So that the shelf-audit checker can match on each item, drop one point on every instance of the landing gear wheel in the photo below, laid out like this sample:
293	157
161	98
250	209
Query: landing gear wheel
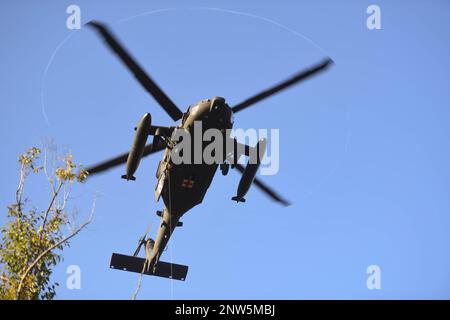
224	167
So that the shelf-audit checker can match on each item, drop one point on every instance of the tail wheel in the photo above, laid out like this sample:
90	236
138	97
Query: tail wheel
224	167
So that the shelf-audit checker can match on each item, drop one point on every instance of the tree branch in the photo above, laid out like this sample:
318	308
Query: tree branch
19	190
4	279
49	179
46	251
55	195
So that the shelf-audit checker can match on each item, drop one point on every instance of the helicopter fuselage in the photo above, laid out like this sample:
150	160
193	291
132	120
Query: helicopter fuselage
183	186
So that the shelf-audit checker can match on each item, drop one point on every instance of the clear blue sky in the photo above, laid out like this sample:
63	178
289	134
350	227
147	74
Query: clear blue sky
364	147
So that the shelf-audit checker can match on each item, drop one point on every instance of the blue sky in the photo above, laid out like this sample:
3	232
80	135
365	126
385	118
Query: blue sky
363	157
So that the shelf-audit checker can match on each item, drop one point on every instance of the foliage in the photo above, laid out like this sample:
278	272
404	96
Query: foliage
32	240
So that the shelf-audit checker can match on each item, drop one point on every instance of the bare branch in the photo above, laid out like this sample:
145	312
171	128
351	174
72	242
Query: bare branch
49	178
55	195
19	190
65	197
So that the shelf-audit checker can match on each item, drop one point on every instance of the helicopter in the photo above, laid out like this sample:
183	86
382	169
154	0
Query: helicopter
182	186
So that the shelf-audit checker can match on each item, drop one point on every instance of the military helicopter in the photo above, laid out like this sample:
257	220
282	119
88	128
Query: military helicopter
183	186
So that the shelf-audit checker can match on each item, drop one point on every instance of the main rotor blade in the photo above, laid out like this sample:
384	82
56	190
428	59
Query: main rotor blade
121	159
264	188
172	110
283	85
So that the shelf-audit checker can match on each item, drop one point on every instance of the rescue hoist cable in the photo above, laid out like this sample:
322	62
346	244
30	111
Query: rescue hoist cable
170	231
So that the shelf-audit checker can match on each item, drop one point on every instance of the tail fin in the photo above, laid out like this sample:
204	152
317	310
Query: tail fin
136	264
